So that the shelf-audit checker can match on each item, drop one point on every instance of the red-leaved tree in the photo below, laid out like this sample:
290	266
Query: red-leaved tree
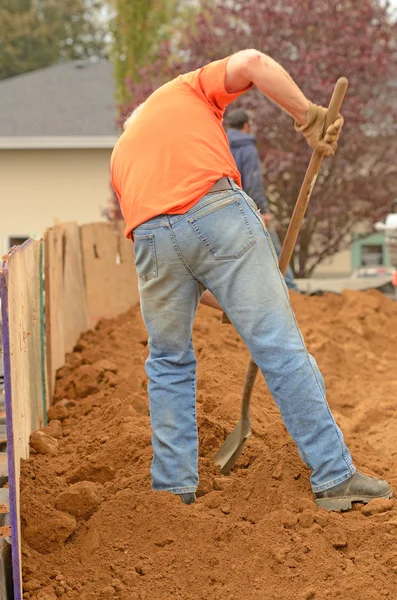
317	41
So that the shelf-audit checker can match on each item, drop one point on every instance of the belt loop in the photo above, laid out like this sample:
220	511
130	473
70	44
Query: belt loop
231	181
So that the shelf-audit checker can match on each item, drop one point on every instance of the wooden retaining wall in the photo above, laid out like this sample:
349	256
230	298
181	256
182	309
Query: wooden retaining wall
51	291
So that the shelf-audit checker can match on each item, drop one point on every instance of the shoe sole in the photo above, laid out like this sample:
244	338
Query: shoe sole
345	502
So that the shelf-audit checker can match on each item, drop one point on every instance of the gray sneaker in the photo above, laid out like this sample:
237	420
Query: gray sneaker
188	498
358	488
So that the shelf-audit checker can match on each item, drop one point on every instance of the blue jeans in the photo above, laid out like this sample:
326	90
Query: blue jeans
221	244
289	276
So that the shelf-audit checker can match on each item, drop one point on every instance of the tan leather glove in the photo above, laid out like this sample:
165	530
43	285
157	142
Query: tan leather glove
313	130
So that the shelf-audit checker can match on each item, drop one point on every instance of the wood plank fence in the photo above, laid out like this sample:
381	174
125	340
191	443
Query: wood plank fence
51	291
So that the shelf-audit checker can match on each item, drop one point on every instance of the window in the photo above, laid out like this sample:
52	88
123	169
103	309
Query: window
16	240
372	255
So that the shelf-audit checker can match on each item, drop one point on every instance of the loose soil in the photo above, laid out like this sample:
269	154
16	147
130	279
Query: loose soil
5	531
93	529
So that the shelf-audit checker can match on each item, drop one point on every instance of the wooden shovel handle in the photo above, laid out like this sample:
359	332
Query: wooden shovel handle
310	179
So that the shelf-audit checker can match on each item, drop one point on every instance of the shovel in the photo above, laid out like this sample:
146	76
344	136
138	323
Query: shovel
234	444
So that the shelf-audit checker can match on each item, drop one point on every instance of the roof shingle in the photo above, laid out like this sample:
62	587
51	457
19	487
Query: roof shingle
68	99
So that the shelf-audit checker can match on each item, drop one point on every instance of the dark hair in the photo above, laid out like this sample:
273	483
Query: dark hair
237	118
394	206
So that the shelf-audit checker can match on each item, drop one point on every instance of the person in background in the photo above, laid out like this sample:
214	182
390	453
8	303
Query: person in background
239	129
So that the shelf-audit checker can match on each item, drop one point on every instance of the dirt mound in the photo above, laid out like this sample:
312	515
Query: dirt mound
93	530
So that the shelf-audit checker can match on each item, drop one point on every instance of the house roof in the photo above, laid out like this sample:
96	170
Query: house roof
66	105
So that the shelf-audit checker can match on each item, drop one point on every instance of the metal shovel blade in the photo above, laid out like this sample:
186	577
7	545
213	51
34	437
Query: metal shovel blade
234	444
232	447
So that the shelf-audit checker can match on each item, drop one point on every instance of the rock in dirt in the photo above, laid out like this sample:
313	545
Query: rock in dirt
106	365
379	505
47	594
164	543
364	560
51	532
288	518
107	592
86	381
60	410
321	517
131	578
92	472
306	518
43	443
212	500
31	585
80	500
54	429
221	483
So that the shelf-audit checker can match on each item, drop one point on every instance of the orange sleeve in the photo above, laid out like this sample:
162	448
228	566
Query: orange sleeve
210	82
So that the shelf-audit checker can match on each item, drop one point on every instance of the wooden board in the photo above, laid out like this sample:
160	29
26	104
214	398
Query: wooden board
20	288
109	271
75	319
53	283
66	306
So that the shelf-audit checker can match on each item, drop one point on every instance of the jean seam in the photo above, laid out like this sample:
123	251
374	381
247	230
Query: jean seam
180	255
154	273
348	464
194	385
187	489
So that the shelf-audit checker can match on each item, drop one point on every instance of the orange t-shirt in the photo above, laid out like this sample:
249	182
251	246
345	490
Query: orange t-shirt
175	149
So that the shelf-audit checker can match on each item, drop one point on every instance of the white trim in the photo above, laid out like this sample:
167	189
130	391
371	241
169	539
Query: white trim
60	142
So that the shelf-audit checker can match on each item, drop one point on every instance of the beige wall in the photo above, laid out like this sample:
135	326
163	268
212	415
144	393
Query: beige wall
338	265
39	186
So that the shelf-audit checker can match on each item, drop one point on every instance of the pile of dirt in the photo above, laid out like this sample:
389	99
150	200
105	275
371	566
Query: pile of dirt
93	530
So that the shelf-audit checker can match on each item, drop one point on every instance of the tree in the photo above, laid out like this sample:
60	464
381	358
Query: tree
38	33
138	29
316	41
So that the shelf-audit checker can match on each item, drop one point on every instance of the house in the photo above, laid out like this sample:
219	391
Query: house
363	252
57	131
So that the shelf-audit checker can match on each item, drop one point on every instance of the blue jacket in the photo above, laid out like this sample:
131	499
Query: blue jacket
245	154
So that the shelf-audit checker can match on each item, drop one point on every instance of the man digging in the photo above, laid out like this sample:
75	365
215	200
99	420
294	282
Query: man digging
196	231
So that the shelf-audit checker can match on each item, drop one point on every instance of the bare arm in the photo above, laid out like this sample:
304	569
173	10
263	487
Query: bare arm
252	66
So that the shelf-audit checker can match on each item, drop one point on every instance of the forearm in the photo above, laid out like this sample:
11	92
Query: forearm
252	66
274	81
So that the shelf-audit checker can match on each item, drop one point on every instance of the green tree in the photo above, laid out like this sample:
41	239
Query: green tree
38	33
138	28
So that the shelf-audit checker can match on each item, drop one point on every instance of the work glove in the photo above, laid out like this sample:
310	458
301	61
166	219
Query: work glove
313	130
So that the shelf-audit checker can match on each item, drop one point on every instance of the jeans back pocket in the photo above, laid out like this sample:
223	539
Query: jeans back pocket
223	228
145	256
